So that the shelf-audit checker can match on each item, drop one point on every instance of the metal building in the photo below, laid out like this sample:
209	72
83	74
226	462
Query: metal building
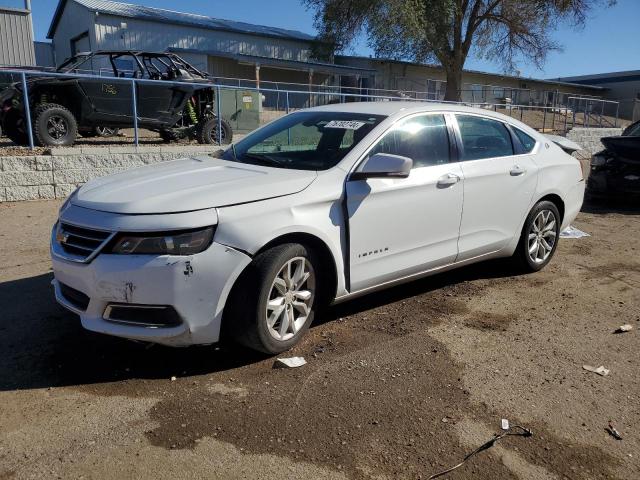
16	36
623	87
224	48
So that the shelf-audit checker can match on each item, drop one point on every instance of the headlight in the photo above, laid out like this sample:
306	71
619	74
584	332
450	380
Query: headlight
170	243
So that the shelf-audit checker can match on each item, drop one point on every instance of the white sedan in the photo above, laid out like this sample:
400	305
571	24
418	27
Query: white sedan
320	206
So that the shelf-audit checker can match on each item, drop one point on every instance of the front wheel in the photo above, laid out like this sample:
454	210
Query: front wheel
207	132
54	126
539	238
273	303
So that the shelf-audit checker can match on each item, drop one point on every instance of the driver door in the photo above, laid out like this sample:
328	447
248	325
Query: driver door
400	227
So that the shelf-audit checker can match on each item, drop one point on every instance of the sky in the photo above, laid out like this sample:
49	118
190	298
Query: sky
605	44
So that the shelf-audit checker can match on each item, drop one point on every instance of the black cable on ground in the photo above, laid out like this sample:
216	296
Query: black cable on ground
523	432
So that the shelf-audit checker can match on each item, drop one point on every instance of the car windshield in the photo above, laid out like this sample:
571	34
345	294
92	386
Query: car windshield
312	140
632	130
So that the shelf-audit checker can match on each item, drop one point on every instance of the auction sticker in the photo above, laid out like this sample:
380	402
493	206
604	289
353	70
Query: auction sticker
345	124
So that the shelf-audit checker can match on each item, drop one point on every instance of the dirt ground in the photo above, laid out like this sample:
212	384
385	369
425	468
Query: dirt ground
399	384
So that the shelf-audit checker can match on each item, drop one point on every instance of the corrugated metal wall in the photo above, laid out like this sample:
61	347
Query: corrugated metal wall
74	21
125	33
16	41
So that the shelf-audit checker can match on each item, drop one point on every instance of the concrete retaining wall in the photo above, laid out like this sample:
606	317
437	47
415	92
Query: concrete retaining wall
589	138
58	174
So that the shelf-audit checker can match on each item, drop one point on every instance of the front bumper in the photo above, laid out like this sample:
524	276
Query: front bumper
196	286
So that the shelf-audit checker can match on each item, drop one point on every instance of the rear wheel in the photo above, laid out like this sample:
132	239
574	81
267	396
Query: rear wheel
207	132
273	304
54	126
539	238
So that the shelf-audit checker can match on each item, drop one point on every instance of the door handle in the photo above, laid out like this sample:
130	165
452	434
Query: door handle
517	170
448	180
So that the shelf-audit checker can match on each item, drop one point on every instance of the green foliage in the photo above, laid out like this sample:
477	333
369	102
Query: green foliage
447	31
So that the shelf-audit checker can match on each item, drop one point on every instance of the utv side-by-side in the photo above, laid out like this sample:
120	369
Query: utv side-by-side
63	107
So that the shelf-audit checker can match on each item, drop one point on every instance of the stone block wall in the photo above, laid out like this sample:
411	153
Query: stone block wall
589	138
57	175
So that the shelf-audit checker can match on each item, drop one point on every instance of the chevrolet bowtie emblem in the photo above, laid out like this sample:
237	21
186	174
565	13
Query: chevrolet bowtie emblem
62	237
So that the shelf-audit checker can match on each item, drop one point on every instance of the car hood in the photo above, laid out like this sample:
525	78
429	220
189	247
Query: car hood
189	184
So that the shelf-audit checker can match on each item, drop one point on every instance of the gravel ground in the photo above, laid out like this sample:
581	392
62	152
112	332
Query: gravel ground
400	384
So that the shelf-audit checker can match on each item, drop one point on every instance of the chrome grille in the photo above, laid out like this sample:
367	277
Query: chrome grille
79	243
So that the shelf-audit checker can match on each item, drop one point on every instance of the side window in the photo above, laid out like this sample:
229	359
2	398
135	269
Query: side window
423	139
483	138
527	141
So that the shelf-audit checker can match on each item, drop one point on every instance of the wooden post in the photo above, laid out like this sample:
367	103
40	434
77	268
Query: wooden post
257	75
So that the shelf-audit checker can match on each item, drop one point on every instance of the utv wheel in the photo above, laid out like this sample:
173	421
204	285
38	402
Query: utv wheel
207	132
539	238
54	126
14	128
273	304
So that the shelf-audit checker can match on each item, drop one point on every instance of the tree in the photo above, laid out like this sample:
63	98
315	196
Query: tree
447	31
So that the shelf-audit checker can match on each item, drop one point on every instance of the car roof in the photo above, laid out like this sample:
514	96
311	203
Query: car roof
390	108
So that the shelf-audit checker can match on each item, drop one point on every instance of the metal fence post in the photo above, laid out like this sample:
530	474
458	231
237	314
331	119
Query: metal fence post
573	124
219	114
134	104
544	117
27	109
617	111
601	112
587	114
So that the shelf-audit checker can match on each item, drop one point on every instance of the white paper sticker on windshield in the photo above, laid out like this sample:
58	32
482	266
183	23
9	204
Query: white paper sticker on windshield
344	124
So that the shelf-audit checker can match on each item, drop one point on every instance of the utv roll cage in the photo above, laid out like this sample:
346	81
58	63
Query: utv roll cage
149	65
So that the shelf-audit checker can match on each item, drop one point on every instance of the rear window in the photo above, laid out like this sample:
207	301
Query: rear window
527	141
483	138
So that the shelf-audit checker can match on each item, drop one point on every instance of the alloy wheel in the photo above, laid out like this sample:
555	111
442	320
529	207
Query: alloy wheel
290	299
57	127
542	236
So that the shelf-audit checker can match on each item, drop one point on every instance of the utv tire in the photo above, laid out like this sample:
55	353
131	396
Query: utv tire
54	126
207	132
539	237
14	128
273	302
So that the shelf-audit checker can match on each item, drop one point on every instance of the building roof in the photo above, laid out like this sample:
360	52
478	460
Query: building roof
603	78
17	11
169	16
561	82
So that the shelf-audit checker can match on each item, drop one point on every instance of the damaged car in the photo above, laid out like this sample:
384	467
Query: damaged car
174	99
615	171
320	206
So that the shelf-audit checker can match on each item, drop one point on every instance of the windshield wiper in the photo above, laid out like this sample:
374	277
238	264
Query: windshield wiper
262	159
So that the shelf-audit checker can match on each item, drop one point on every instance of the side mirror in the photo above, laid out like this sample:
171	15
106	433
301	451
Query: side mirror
383	165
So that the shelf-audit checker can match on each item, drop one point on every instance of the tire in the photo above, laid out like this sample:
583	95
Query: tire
13	127
261	303
207	131
544	222
54	126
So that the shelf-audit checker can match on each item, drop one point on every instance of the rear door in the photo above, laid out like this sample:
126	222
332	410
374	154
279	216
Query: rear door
403	226
499	183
